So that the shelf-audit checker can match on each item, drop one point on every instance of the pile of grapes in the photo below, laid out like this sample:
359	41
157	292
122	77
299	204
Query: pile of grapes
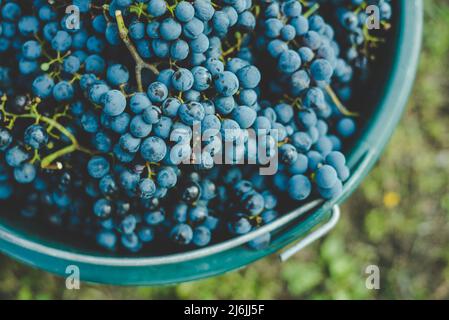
130	123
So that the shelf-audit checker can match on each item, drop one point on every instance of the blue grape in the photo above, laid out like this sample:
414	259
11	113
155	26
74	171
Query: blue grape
120	123
191	113
107	239
25	173
152	115
63	91
193	28
321	70
167	178
227	84
11	11
203	10
201	236
61	41
182	234
31	50
249	77
179	50
326	176
139	102
114	103
299	187
98	167
43	86
102	208
346	127
182	80
147	188
117	75
139	127
157	8
15	156
153	149
170	29
72	64
36	136
244	116
129	143
240	226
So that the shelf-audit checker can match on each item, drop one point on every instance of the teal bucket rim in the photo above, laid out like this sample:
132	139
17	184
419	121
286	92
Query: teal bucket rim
132	270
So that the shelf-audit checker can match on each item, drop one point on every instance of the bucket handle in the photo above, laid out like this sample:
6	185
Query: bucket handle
313	236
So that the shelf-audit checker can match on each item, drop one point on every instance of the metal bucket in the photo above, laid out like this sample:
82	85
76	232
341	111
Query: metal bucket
305	224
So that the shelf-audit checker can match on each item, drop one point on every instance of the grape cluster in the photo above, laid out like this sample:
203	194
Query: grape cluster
303	46
100	114
361	27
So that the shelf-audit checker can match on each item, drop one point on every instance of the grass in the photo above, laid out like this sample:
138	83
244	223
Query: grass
397	220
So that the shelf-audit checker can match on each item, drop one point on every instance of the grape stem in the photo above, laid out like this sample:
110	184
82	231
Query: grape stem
75	146
238	37
333	96
140	64
52	123
256	9
312	10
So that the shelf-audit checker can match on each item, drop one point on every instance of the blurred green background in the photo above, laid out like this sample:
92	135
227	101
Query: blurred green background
398	219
